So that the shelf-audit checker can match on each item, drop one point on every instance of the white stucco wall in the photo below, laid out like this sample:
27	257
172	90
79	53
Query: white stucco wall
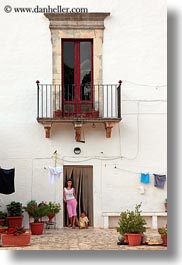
134	49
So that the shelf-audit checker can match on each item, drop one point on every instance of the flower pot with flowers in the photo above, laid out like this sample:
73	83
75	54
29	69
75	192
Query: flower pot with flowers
36	211
132	226
15	237
53	209
15	217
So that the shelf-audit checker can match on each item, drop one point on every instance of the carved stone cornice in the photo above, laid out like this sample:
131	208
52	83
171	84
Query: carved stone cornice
76	20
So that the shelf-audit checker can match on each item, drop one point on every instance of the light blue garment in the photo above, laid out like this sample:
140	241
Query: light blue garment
145	178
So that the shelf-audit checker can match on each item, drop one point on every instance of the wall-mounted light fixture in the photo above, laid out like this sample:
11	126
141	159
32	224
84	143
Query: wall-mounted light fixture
77	150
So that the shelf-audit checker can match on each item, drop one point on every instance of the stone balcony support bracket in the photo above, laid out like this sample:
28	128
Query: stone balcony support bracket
108	128
78	125
47	128
78	131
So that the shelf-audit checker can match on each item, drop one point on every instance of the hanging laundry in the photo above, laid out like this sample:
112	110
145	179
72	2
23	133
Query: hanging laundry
54	173
145	178
159	180
7	181
141	190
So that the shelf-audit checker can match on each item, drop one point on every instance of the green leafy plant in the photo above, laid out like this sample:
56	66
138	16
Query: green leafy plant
15	209
162	231
37	211
131	221
53	207
3	215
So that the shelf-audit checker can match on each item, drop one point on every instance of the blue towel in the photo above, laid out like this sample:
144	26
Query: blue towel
159	181
145	178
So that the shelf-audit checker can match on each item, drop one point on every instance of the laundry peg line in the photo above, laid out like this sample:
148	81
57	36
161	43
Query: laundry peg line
136	172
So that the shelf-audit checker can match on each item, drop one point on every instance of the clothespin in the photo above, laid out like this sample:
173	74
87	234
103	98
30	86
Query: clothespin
55	158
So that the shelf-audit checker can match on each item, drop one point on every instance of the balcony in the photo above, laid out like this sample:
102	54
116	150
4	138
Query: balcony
78	105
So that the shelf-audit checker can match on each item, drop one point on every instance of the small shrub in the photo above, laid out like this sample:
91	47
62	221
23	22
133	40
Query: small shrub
131	221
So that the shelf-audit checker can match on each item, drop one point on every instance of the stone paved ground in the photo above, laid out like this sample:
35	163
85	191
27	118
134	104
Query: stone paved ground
79	239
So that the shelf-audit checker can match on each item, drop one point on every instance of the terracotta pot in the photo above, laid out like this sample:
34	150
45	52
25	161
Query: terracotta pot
126	238
3	229
37	228
16	241
57	114
164	240
2	222
15	221
50	216
95	114
134	239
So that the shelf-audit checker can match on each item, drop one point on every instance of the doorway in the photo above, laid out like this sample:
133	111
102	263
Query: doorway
82	177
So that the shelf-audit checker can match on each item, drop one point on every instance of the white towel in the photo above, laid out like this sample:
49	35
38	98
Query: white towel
54	173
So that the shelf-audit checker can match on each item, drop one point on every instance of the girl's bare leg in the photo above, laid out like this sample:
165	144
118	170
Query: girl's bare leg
73	221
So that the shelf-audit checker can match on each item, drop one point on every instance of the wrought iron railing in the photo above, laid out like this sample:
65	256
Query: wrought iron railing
70	101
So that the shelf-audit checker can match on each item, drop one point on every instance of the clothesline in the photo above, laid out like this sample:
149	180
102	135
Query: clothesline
135	172
60	161
98	158
145	85
159	179
54	174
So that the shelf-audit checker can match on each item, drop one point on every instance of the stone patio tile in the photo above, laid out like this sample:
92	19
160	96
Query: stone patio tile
84	239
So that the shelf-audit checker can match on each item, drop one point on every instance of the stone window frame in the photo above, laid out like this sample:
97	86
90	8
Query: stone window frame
77	26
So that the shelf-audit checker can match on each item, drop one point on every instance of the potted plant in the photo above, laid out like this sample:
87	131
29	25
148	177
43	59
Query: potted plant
53	209
15	216
95	113
122	229
163	232
132	225
2	218
165	204
37	211
15	237
57	113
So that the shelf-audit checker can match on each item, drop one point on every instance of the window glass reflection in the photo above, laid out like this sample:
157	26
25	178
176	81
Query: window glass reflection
85	70
68	60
